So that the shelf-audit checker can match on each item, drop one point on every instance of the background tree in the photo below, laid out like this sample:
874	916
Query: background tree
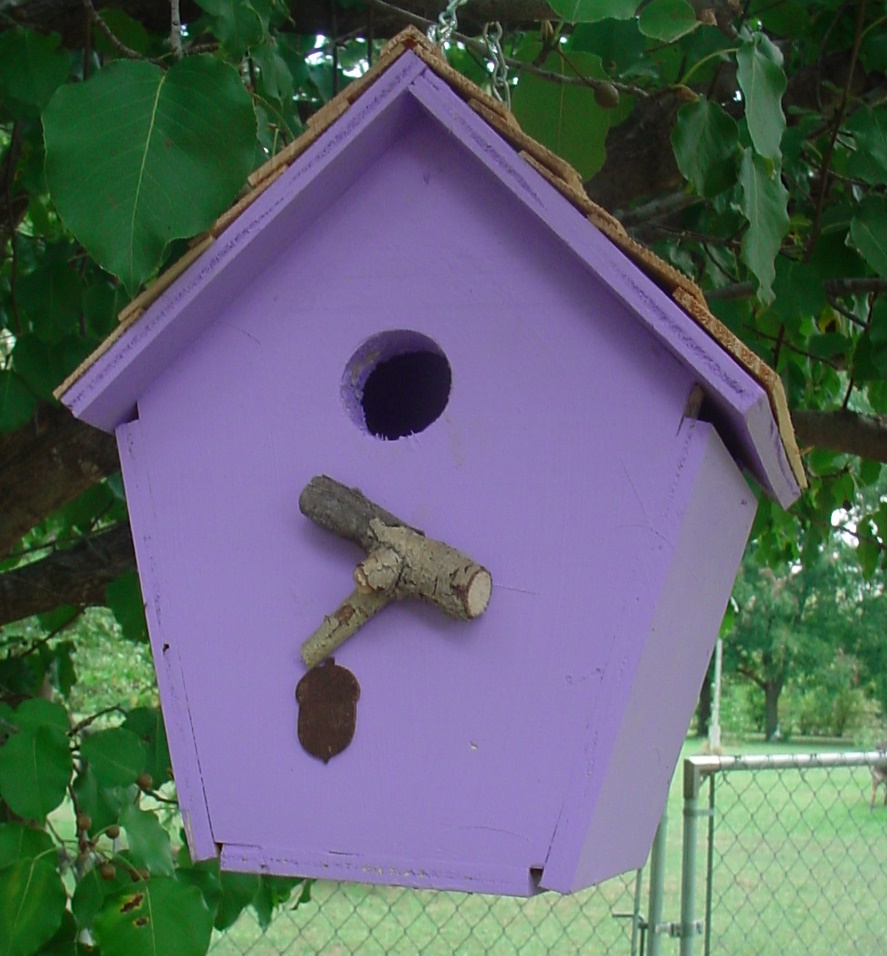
818	627
745	141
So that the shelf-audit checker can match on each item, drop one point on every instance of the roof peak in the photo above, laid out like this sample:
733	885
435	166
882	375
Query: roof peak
560	174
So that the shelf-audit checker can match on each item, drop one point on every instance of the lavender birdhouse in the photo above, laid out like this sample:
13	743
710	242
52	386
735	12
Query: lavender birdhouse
528	459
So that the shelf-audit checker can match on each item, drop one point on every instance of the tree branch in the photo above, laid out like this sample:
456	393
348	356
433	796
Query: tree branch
77	576
45	465
850	286
65	17
118	45
843	431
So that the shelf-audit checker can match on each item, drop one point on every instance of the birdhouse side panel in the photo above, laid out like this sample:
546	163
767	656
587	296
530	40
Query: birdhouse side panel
715	508
164	646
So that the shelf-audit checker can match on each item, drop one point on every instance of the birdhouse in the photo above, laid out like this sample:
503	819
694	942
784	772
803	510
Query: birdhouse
438	488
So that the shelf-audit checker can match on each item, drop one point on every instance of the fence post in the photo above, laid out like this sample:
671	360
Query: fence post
657	886
688	927
636	918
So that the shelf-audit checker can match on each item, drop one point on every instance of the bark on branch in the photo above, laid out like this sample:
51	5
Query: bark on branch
66	17
401	563
77	576
843	431
45	465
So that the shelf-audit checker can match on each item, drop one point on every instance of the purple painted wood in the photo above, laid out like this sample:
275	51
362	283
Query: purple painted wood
492	755
164	645
710	515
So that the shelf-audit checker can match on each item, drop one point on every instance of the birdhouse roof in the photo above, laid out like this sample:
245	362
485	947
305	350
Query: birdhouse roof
760	432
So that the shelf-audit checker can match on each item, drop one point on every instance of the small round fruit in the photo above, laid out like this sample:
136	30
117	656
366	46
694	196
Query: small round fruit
144	781
107	871
84	822
112	832
606	96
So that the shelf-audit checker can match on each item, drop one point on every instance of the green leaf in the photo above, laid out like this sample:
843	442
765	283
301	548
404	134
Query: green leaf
124	597
618	43
567	119
35	769
130	32
238	891
40	364
667	20
869	159
798	290
869	473
65	941
116	756
17	401
148	842
762	81
274	78
37	712
764	203
101	304
136	157
50	298
154	917
870	354
18	842
32	904
705	140
104	804
32	67
147	724
590	11
789	17
89	895
868	552
873	52
237	25
205	875
273	892
868	231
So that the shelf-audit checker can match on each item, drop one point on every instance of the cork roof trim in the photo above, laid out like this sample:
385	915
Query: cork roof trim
560	174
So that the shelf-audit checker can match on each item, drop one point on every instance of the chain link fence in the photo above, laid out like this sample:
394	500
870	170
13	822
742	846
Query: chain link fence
795	857
777	855
344	918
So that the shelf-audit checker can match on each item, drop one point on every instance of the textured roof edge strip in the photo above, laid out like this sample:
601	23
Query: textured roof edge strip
560	174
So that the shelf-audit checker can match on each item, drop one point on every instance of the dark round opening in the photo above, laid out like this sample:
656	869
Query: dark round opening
405	393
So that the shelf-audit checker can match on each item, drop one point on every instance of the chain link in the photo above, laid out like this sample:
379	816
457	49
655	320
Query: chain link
493	39
439	33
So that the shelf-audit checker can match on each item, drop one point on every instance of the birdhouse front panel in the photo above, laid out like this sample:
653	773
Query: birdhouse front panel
414	310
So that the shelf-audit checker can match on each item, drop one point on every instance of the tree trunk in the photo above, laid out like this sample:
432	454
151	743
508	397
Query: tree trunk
772	690
703	707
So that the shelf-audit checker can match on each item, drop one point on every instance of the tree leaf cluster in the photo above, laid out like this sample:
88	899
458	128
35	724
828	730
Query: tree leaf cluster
119	878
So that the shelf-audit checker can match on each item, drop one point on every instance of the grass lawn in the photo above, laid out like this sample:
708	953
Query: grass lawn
800	867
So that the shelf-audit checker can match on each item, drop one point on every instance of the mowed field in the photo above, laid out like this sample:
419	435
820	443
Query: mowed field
799	866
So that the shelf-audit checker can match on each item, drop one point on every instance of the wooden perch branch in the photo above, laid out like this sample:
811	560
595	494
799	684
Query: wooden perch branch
401	563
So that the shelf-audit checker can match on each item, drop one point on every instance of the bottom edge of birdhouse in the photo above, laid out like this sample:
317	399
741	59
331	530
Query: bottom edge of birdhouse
503	880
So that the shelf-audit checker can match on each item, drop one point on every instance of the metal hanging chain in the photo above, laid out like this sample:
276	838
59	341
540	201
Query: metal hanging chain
439	33
500	86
